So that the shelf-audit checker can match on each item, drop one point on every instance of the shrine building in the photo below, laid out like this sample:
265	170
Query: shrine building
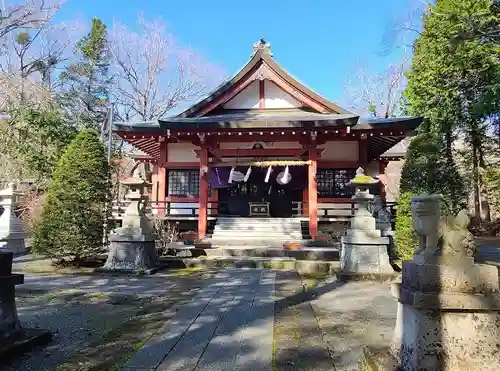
262	145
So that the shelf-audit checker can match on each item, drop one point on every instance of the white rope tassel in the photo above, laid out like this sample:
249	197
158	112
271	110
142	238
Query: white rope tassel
287	171
247	175
231	174
268	175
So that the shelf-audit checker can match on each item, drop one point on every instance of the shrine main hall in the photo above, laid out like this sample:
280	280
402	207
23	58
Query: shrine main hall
261	145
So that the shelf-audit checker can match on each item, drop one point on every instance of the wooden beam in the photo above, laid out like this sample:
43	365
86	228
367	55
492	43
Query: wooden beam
332	164
291	152
182	165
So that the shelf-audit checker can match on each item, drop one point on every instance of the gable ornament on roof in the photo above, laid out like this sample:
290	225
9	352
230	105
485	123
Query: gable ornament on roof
262	45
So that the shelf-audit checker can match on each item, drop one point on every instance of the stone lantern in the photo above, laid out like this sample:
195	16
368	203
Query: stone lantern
12	233
364	251
132	246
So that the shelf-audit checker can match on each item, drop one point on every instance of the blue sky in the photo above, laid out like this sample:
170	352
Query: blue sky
318	41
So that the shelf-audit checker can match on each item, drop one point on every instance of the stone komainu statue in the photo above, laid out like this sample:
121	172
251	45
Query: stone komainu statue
455	241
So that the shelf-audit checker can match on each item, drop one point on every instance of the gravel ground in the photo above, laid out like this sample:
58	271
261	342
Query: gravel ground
74	319
82	310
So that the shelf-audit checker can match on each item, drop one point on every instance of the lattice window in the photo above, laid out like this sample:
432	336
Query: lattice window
183	183
332	183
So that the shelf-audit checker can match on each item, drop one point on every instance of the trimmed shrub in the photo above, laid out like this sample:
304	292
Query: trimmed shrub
70	228
406	240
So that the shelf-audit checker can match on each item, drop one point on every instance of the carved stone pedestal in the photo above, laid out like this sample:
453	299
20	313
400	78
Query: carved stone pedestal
131	251
448	315
448	318
13	338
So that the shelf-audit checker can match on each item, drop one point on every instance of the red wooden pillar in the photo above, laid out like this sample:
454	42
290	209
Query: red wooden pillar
203	196
312	187
382	165
162	178
154	189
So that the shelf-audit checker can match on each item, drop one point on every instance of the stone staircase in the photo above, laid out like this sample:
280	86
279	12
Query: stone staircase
256	243
256	232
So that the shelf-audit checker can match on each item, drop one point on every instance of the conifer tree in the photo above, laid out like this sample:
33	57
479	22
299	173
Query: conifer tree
456	86
71	225
87	81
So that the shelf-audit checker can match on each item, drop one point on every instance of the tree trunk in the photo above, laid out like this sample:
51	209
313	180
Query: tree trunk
449	147
475	172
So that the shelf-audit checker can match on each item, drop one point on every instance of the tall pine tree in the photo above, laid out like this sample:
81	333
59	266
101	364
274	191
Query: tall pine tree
456	87
87	80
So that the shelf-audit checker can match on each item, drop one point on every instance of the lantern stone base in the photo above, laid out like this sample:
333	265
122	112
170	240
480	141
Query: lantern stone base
364	252
131	251
13	242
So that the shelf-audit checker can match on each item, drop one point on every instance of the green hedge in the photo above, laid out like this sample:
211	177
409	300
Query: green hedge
406	240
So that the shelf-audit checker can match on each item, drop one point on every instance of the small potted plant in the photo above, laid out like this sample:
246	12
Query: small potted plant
292	246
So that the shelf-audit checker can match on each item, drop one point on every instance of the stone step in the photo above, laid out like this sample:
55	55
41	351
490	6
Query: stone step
312	254
253	241
303	266
272	221
259	219
257	234
248	227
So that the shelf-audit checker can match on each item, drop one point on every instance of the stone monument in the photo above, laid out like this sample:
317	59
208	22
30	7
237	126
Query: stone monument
383	223
448	315
364	250
382	217
12	233
13	338
132	246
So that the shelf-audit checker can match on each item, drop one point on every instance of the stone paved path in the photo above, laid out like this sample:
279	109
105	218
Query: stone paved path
352	315
227	326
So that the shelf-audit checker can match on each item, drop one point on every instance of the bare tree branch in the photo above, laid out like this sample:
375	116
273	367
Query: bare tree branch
377	94
153	73
30	54
26	14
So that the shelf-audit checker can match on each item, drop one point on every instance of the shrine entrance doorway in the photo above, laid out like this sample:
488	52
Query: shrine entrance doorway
256	197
